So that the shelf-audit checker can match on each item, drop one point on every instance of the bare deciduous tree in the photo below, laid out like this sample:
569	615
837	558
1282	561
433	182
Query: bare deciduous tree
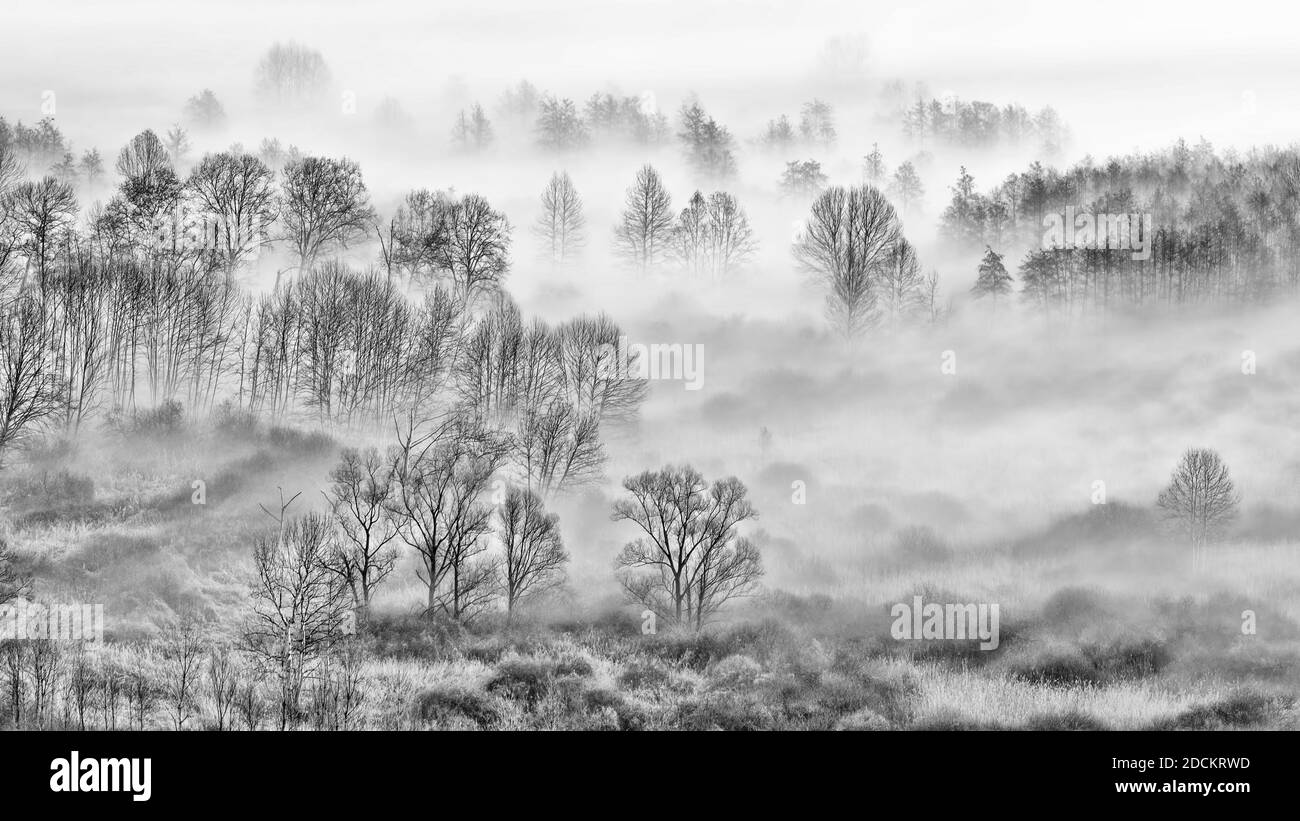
534	555
300	606
559	126
223	685
13	584
473	131
438	503
848	235
43	211
692	559
712	237
644	232
1200	500
561	225
558	447
182	648
292	75
29	386
360	491
235	196
325	204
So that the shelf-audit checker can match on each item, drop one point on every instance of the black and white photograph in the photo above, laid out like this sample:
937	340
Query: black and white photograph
533	369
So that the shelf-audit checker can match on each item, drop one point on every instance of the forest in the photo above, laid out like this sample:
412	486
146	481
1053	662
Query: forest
597	412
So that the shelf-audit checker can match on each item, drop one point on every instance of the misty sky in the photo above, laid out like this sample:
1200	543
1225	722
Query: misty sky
1123	75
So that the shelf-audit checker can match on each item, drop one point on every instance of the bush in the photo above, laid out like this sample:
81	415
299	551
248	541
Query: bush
523	679
863	720
734	673
732	714
410	636
167	419
1243	708
446	703
109	549
1132	658
1071	720
300	442
47	490
1056	668
644	674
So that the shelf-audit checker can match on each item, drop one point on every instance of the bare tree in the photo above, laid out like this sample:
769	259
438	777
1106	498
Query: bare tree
691	559
150	197
534	552
360	492
707	143
325	204
817	122
519	104
235	196
420	234
473	131
559	126
182	648
478	244
906	186
178	146
644	232
300	606
1200	501
803	179
712	237
29	386
558	447
13	584
204	111
141	687
292	75
901	286
82	684
561	225
595	380
223	685
848	235
443	476
44	211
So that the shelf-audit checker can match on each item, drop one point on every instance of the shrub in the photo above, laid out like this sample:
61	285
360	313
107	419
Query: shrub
166	419
1056	668
48	490
105	550
1131	658
300	442
445	703
863	720
734	673
643	674
1070	720
733	714
1242	708
521	678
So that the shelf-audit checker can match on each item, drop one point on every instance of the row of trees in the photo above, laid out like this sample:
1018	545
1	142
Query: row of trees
184	679
979	124
710	236
1224	227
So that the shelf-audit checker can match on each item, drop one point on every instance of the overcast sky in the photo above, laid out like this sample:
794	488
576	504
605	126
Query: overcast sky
1123	75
